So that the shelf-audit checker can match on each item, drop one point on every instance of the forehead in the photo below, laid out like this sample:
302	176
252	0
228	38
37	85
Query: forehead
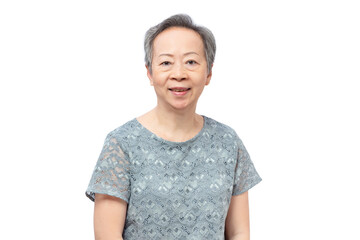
178	39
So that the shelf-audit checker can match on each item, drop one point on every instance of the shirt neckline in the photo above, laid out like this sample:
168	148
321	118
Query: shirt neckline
154	136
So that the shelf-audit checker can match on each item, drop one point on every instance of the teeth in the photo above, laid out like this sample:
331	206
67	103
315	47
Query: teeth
179	90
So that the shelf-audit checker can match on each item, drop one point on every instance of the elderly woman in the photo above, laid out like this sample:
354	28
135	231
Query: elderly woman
172	173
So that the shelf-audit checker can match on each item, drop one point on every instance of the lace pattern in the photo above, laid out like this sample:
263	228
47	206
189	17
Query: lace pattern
111	174
174	190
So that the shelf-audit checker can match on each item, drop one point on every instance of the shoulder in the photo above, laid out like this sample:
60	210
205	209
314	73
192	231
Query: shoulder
125	132
219	128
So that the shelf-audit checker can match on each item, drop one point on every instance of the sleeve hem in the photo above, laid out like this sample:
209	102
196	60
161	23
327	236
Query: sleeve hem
91	195
248	187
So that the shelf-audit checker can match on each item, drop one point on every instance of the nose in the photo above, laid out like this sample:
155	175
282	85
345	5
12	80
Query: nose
178	73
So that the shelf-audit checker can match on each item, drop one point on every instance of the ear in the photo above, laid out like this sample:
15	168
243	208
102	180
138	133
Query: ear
208	78
149	75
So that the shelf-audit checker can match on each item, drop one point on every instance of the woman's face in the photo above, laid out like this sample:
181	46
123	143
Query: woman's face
179	70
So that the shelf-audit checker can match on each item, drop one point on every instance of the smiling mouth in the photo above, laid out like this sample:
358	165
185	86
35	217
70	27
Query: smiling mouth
179	89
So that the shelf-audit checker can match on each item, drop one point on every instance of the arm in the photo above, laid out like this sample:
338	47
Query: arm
109	217
237	226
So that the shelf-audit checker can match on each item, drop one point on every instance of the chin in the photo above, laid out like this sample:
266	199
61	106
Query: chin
181	106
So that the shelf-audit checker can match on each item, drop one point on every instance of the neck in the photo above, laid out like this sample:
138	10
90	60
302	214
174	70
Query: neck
183	120
173	124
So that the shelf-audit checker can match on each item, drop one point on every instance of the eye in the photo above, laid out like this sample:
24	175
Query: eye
165	63
191	62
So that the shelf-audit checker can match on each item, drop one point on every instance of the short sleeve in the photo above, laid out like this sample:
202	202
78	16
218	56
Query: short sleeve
111	174
246	175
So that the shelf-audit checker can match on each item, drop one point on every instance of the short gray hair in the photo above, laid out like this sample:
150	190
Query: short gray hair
180	20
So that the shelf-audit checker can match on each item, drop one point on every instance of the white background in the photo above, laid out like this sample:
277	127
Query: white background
286	78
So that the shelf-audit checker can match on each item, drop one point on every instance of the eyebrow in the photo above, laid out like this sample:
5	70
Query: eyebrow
171	55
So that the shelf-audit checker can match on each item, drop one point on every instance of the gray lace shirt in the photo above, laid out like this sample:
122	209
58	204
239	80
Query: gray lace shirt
174	190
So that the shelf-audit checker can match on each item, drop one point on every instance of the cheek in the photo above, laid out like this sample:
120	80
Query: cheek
158	80
202	79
